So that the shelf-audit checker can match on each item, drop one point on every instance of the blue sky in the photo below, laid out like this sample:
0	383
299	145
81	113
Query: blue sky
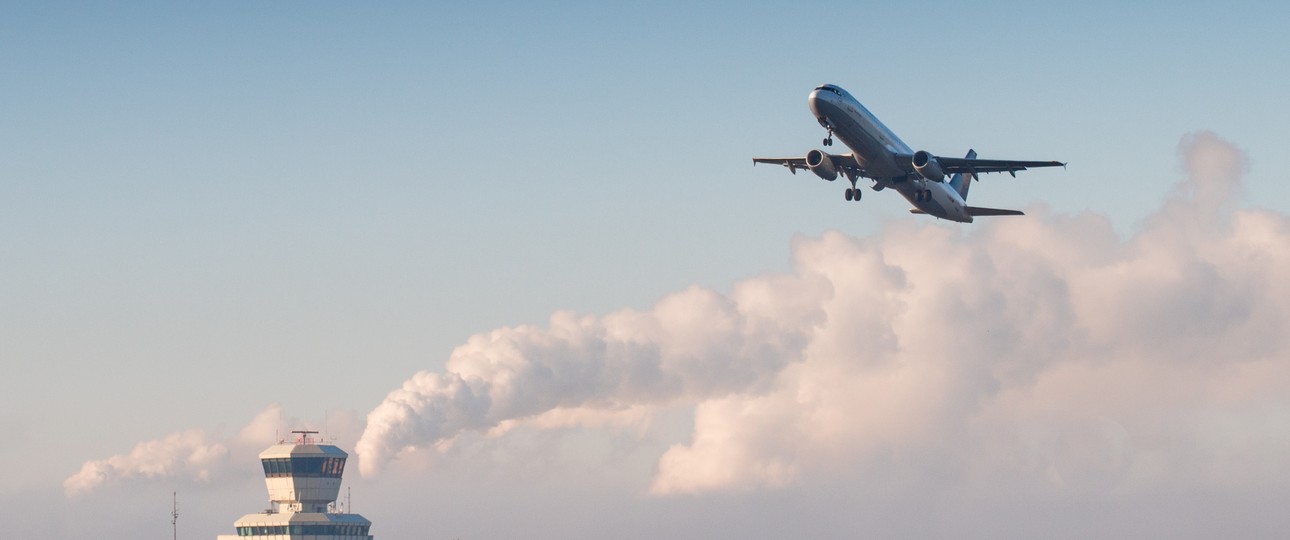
205	209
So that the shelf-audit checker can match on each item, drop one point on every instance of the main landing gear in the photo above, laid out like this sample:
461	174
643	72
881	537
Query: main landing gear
853	192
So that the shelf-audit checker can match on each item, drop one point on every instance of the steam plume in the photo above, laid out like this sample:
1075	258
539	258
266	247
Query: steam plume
1034	348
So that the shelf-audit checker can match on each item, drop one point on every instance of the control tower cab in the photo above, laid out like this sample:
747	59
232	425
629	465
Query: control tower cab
303	479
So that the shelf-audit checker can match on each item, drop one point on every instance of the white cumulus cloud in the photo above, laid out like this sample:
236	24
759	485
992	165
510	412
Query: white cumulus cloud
193	454
187	454
1015	352
693	344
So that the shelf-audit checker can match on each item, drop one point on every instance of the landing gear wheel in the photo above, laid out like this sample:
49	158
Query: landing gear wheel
855	194
849	193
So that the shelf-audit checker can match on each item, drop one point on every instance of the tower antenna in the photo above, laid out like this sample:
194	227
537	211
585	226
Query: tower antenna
174	515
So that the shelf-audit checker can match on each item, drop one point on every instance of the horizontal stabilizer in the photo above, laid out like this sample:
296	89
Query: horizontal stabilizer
978	211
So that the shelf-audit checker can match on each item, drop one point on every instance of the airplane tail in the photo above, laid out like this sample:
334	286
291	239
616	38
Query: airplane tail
961	183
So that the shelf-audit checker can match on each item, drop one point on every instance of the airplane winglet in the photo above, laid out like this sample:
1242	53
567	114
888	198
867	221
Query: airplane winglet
972	170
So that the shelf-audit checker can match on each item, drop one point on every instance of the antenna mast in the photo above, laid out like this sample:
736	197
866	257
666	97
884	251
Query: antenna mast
174	515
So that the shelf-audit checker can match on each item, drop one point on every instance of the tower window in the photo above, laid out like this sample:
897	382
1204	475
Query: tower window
304	467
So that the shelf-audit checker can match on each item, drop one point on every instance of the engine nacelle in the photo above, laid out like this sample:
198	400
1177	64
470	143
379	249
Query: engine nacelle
822	165
927	166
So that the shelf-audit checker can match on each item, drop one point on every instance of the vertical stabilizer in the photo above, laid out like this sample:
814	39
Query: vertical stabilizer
961	183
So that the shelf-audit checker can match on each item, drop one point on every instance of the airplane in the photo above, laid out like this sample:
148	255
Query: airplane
877	154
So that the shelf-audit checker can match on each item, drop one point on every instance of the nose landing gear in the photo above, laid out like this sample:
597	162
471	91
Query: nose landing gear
828	141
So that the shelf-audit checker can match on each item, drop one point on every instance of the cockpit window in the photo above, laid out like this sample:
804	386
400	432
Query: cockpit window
830	88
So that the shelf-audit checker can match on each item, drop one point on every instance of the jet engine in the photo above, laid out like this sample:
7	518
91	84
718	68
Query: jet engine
822	165
926	165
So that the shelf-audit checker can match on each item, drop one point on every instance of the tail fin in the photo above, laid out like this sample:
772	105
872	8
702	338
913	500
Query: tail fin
961	184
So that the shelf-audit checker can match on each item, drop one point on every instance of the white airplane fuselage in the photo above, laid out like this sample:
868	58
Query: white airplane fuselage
876	149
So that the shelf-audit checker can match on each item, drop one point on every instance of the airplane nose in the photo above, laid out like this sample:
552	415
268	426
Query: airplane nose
813	101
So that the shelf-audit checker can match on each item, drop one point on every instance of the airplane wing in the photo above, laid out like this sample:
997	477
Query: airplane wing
845	163
974	166
793	163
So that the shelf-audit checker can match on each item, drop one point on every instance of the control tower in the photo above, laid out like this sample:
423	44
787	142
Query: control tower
303	478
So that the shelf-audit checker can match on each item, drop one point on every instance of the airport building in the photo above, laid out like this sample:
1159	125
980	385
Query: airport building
303	479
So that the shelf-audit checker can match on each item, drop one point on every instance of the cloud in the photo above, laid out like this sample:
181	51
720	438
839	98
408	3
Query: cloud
195	455
693	344
187	453
1011	378
192	455
1049	340
1040	351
